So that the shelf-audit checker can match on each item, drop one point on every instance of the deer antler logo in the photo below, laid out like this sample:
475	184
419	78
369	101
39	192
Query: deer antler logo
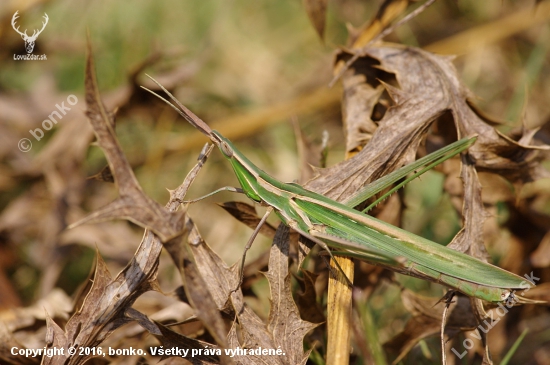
29	41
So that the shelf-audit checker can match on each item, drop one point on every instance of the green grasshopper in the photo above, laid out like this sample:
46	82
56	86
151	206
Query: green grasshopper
337	225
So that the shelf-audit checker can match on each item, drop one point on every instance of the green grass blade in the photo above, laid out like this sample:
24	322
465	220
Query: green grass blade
514	348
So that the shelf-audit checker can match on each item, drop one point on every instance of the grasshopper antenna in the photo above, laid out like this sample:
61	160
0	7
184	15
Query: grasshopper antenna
183	111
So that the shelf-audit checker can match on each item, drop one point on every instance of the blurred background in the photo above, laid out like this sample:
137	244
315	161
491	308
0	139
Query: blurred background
248	68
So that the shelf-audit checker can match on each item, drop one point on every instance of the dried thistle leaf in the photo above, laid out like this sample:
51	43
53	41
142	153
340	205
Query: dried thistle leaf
170	339
285	323
101	312
102	303
198	290
426	321
306	301
133	204
429	86
470	238
358	104
220	280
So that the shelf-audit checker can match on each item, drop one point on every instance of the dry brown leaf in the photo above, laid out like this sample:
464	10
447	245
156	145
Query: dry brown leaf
470	238
254	334
196	272
88	326
101	304
197	288
55	173
253	269
317	12
219	278
429	86
132	204
171	340
284	317
360	96
7	342
55	305
358	104
220	281
306	301
495	189
426	321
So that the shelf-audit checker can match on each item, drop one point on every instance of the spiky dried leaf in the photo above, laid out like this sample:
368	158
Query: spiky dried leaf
132	204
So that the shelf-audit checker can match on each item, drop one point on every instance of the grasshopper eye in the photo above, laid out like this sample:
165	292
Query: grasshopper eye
227	151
